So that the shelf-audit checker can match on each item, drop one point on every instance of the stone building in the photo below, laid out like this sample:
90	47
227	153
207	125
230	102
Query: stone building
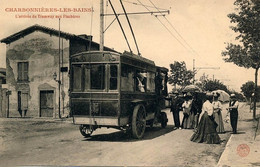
32	62
3	97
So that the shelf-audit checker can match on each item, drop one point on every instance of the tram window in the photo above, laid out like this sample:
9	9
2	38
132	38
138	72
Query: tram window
97	76
150	82
141	81
127	78
113	77
77	78
161	83
86	78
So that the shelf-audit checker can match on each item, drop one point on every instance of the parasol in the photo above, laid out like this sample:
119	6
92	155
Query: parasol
223	96
191	88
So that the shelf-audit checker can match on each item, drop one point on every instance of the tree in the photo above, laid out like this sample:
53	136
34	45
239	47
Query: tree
247	52
248	90
179	75
210	85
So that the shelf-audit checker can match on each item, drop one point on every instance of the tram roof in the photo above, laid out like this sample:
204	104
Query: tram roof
125	54
136	57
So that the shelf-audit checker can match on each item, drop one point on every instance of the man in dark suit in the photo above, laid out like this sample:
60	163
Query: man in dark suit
233	110
176	104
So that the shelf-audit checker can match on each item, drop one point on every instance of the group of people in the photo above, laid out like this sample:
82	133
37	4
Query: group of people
203	115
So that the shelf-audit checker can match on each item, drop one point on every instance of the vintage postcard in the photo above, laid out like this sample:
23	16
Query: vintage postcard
128	83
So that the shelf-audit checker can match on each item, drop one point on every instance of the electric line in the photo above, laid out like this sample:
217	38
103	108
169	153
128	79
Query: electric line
120	24
134	3
165	27
175	30
130	27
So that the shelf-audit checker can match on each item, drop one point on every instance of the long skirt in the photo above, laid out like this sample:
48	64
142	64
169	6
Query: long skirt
192	120
206	131
218	119
186	122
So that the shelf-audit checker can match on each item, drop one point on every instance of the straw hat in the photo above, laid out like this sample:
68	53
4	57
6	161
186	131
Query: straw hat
232	95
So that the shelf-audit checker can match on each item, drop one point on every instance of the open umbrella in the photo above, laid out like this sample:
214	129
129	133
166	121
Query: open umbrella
223	96
191	88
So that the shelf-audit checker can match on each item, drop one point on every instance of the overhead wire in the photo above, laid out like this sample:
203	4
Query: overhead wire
130	27
120	25
175	29
165	27
134	3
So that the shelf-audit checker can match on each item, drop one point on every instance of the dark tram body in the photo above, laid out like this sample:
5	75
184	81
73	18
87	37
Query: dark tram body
122	91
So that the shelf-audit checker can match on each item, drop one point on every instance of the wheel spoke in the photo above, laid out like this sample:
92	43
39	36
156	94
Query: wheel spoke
139	122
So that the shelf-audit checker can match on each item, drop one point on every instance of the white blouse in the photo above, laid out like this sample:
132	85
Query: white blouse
207	106
217	105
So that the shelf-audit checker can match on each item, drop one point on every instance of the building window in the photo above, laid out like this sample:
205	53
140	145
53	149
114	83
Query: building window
23	71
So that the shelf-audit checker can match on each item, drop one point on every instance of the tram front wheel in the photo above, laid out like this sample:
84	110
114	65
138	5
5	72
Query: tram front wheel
86	130
138	121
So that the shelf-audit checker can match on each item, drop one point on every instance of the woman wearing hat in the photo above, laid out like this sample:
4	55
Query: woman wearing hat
186	108
233	110
206	131
217	106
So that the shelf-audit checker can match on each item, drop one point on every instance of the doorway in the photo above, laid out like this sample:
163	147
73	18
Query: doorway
46	103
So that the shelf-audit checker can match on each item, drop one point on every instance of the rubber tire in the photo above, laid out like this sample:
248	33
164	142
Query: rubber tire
164	120
138	121
83	130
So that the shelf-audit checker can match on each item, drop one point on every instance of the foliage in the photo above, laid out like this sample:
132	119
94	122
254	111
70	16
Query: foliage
210	85
245	53
179	75
248	89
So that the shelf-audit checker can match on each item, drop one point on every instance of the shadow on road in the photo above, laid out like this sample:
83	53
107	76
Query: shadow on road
120	136
238	132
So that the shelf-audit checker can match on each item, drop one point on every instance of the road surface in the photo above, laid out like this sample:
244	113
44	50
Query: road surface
38	141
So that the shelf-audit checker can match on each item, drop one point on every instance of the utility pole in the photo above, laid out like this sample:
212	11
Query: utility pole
195	69
101	45
59	70
117	18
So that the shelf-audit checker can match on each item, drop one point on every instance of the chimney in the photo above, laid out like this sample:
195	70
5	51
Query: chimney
88	37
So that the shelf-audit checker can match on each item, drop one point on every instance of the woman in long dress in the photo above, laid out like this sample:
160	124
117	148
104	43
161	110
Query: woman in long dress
186	107
206	131
217	106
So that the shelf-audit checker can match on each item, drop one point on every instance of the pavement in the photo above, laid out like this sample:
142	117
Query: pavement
243	149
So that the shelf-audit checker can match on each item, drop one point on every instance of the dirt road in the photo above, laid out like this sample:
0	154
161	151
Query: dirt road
31	141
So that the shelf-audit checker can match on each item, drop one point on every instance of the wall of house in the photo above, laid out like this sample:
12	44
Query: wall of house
77	46
3	102
41	51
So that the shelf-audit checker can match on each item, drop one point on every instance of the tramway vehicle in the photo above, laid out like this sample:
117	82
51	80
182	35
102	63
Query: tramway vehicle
116	90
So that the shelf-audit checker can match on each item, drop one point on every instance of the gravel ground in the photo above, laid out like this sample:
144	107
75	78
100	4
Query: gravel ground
31	141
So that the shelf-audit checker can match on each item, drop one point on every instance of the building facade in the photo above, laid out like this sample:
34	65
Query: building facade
37	70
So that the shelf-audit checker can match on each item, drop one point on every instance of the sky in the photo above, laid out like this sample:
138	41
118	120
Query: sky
194	31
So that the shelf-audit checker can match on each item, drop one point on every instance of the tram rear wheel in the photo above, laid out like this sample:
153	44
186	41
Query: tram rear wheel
138	121
86	130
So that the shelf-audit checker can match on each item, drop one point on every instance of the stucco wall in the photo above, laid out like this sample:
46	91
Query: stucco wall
41	51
